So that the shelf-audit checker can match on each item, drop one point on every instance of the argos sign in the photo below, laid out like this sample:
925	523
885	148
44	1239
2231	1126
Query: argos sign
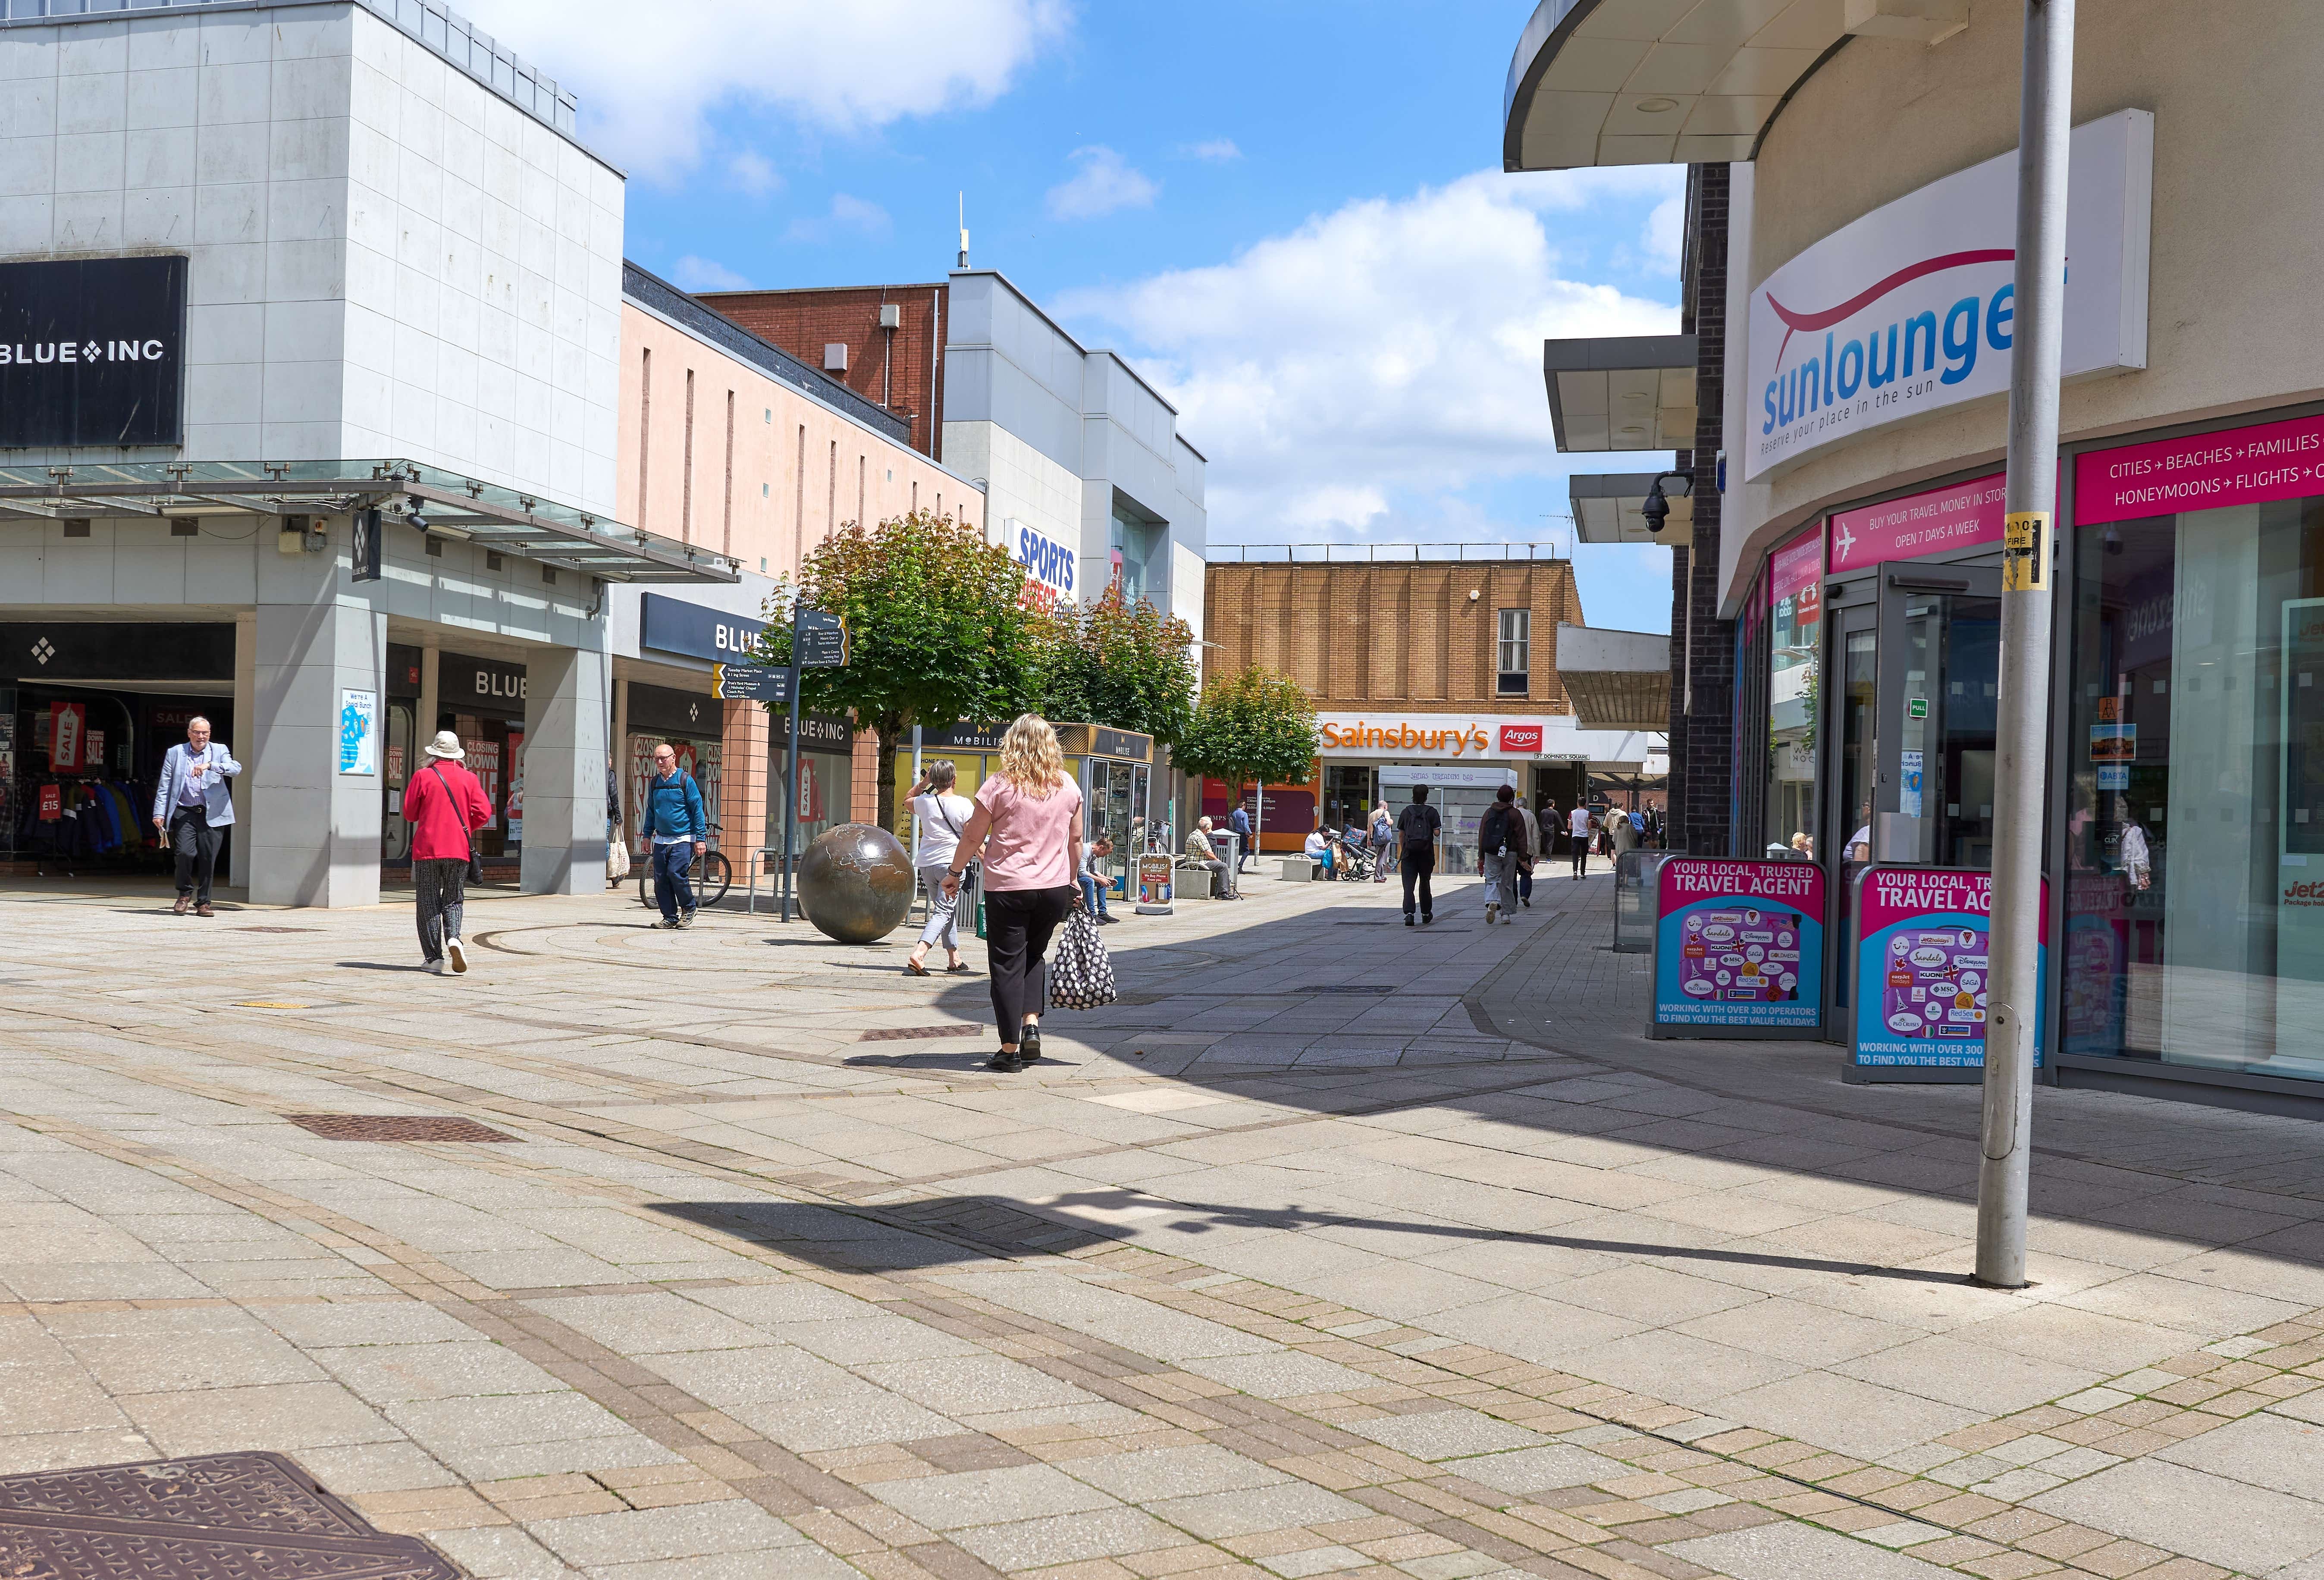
1910	309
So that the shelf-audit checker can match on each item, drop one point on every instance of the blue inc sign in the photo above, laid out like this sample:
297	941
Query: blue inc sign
673	626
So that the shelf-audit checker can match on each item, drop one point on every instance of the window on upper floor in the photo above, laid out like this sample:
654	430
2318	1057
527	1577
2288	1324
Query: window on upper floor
1516	652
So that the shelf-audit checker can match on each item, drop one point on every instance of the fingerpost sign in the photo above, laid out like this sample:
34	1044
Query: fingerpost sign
1738	949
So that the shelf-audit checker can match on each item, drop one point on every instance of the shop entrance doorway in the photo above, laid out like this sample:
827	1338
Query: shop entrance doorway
1914	664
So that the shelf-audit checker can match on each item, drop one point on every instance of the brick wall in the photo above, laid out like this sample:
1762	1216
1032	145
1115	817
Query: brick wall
900	368
1704	739
1360	635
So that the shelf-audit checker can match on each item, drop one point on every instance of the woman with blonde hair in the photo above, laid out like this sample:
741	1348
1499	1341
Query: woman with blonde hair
1027	828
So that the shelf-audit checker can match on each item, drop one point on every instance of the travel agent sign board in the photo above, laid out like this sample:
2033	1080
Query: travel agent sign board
1922	967
1738	949
1912	307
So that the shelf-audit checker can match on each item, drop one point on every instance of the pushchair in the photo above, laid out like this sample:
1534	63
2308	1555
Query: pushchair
1352	859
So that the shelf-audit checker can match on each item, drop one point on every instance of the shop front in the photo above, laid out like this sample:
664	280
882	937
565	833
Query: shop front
1113	768
691	725
826	775
481	701
88	710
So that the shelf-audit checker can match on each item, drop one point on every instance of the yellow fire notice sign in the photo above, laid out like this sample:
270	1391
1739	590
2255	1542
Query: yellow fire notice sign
2025	552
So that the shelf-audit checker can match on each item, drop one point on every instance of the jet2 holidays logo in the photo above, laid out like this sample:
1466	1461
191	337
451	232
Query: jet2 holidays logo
1912	307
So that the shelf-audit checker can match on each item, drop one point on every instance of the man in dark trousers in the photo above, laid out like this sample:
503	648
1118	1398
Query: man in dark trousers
1239	825
1417	827
191	806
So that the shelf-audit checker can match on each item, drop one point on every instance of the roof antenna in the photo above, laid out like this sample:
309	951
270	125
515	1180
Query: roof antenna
964	230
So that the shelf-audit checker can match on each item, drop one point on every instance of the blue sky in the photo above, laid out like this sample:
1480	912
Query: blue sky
1291	217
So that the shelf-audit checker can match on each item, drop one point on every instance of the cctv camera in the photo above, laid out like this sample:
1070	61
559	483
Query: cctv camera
1656	510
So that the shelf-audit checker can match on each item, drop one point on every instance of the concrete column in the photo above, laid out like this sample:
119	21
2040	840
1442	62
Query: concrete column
619	745
432	695
244	743
312	833
564	723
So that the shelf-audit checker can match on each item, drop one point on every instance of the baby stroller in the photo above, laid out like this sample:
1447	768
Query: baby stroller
1351	860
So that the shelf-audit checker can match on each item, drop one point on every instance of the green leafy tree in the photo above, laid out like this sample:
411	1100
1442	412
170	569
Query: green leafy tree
938	631
1255	725
1125	664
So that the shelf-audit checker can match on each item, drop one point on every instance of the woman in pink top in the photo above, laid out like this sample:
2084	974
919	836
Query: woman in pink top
1028	823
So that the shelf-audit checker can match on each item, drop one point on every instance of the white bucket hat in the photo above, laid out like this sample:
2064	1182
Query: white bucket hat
445	744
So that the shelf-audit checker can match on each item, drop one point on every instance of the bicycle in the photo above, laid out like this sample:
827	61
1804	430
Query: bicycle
711	874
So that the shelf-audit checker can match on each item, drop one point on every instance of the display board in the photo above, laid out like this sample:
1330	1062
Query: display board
1738	949
1921	968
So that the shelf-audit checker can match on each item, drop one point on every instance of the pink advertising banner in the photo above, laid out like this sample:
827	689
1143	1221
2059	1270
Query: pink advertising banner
2204	471
1960	516
1797	569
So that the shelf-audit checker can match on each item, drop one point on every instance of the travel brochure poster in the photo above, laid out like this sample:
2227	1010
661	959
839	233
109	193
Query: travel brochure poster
1738	949
1922	967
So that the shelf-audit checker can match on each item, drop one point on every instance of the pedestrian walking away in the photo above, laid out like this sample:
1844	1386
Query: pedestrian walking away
1532	854
1578	829
191	804
1027	828
1096	884
674	822
445	804
943	816
1416	828
1201	854
1239	825
1500	843
1383	840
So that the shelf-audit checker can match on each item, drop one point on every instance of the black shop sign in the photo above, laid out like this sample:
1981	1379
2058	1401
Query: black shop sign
467	684
92	352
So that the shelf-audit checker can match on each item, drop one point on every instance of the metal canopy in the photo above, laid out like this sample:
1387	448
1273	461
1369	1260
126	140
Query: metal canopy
507	520
1617	680
1679	81
1606	509
1621	392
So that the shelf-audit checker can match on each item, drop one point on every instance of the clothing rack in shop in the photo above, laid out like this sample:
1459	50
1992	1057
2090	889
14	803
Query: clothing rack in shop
120	835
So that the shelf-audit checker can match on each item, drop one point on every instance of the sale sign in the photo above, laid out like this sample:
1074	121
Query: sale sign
1738	949
66	720
1923	966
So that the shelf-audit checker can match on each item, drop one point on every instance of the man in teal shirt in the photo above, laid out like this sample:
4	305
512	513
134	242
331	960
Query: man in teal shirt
674	820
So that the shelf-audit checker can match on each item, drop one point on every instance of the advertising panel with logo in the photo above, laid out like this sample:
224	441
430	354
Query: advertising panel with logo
92	352
1910	309
1048	564
1738	949
1922	967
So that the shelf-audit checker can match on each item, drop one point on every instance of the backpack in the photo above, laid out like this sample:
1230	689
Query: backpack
1493	831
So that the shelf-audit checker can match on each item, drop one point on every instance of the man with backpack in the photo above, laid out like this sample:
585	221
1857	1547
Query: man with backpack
1501	844
1416	828
674	822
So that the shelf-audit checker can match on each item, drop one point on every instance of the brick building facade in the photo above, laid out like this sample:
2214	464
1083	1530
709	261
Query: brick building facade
1361	635
1702	700
900	368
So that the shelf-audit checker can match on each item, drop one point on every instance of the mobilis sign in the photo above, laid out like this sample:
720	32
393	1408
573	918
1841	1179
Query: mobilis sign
1910	309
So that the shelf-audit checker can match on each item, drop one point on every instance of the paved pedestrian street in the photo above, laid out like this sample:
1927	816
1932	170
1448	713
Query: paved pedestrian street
1334	1247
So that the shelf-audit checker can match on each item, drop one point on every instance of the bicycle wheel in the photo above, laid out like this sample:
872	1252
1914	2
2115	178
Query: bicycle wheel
645	884
712	875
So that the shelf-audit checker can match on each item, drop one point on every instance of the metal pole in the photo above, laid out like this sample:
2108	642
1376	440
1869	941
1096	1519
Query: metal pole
790	802
2022	728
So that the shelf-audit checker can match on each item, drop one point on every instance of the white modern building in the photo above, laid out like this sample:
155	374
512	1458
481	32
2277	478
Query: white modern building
279	284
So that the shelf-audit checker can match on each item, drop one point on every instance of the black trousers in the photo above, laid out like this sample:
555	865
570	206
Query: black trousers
1017	926
1419	866
197	845
1581	856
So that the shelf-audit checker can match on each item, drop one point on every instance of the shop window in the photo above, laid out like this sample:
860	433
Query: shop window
1516	652
2194	792
1794	613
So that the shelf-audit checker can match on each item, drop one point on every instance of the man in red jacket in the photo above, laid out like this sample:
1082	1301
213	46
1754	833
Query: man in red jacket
445	805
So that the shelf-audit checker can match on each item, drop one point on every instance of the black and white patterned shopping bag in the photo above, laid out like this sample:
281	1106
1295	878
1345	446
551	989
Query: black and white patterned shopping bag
1080	973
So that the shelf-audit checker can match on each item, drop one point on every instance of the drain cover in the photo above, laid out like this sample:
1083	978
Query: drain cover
218	1515
278	930
393	1127
1340	987
910	1034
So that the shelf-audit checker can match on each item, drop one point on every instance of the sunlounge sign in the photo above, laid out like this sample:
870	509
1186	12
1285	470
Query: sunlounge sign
1912	308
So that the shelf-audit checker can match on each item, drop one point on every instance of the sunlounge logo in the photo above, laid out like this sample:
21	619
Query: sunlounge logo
1872	363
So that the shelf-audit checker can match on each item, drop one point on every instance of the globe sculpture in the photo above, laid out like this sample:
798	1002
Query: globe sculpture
855	883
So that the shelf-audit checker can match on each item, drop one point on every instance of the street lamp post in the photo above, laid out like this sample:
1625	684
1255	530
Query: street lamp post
2013	976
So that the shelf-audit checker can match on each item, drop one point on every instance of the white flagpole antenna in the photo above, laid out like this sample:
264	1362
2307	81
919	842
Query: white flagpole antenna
964	230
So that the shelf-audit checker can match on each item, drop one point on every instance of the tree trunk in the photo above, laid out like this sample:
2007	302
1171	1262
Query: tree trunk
890	733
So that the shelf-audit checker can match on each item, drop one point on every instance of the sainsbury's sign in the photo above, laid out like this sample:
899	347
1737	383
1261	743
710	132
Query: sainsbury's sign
1912	308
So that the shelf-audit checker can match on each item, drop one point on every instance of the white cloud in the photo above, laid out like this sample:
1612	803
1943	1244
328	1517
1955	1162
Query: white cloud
1351	378
648	78
1104	184
857	215
754	173
693	274
1218	149
1665	234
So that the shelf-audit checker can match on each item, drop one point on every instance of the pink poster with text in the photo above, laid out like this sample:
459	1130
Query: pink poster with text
1962	515
2203	471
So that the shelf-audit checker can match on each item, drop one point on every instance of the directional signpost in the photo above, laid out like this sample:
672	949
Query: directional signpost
818	642
750	683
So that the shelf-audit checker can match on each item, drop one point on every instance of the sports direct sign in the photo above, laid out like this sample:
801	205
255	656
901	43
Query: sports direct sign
1912	308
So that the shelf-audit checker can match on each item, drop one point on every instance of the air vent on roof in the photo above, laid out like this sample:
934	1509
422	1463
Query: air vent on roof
834	358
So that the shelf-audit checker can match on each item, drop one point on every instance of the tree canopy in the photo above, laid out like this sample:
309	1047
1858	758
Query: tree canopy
1122	663
1258	724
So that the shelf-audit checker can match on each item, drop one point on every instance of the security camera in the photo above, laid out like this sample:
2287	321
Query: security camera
1656	509
417	521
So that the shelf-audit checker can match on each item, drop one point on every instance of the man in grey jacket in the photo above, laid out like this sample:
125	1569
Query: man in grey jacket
192	804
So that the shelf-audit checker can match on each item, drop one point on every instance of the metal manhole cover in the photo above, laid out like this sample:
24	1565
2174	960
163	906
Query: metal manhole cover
217	1516
910	1034
393	1127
